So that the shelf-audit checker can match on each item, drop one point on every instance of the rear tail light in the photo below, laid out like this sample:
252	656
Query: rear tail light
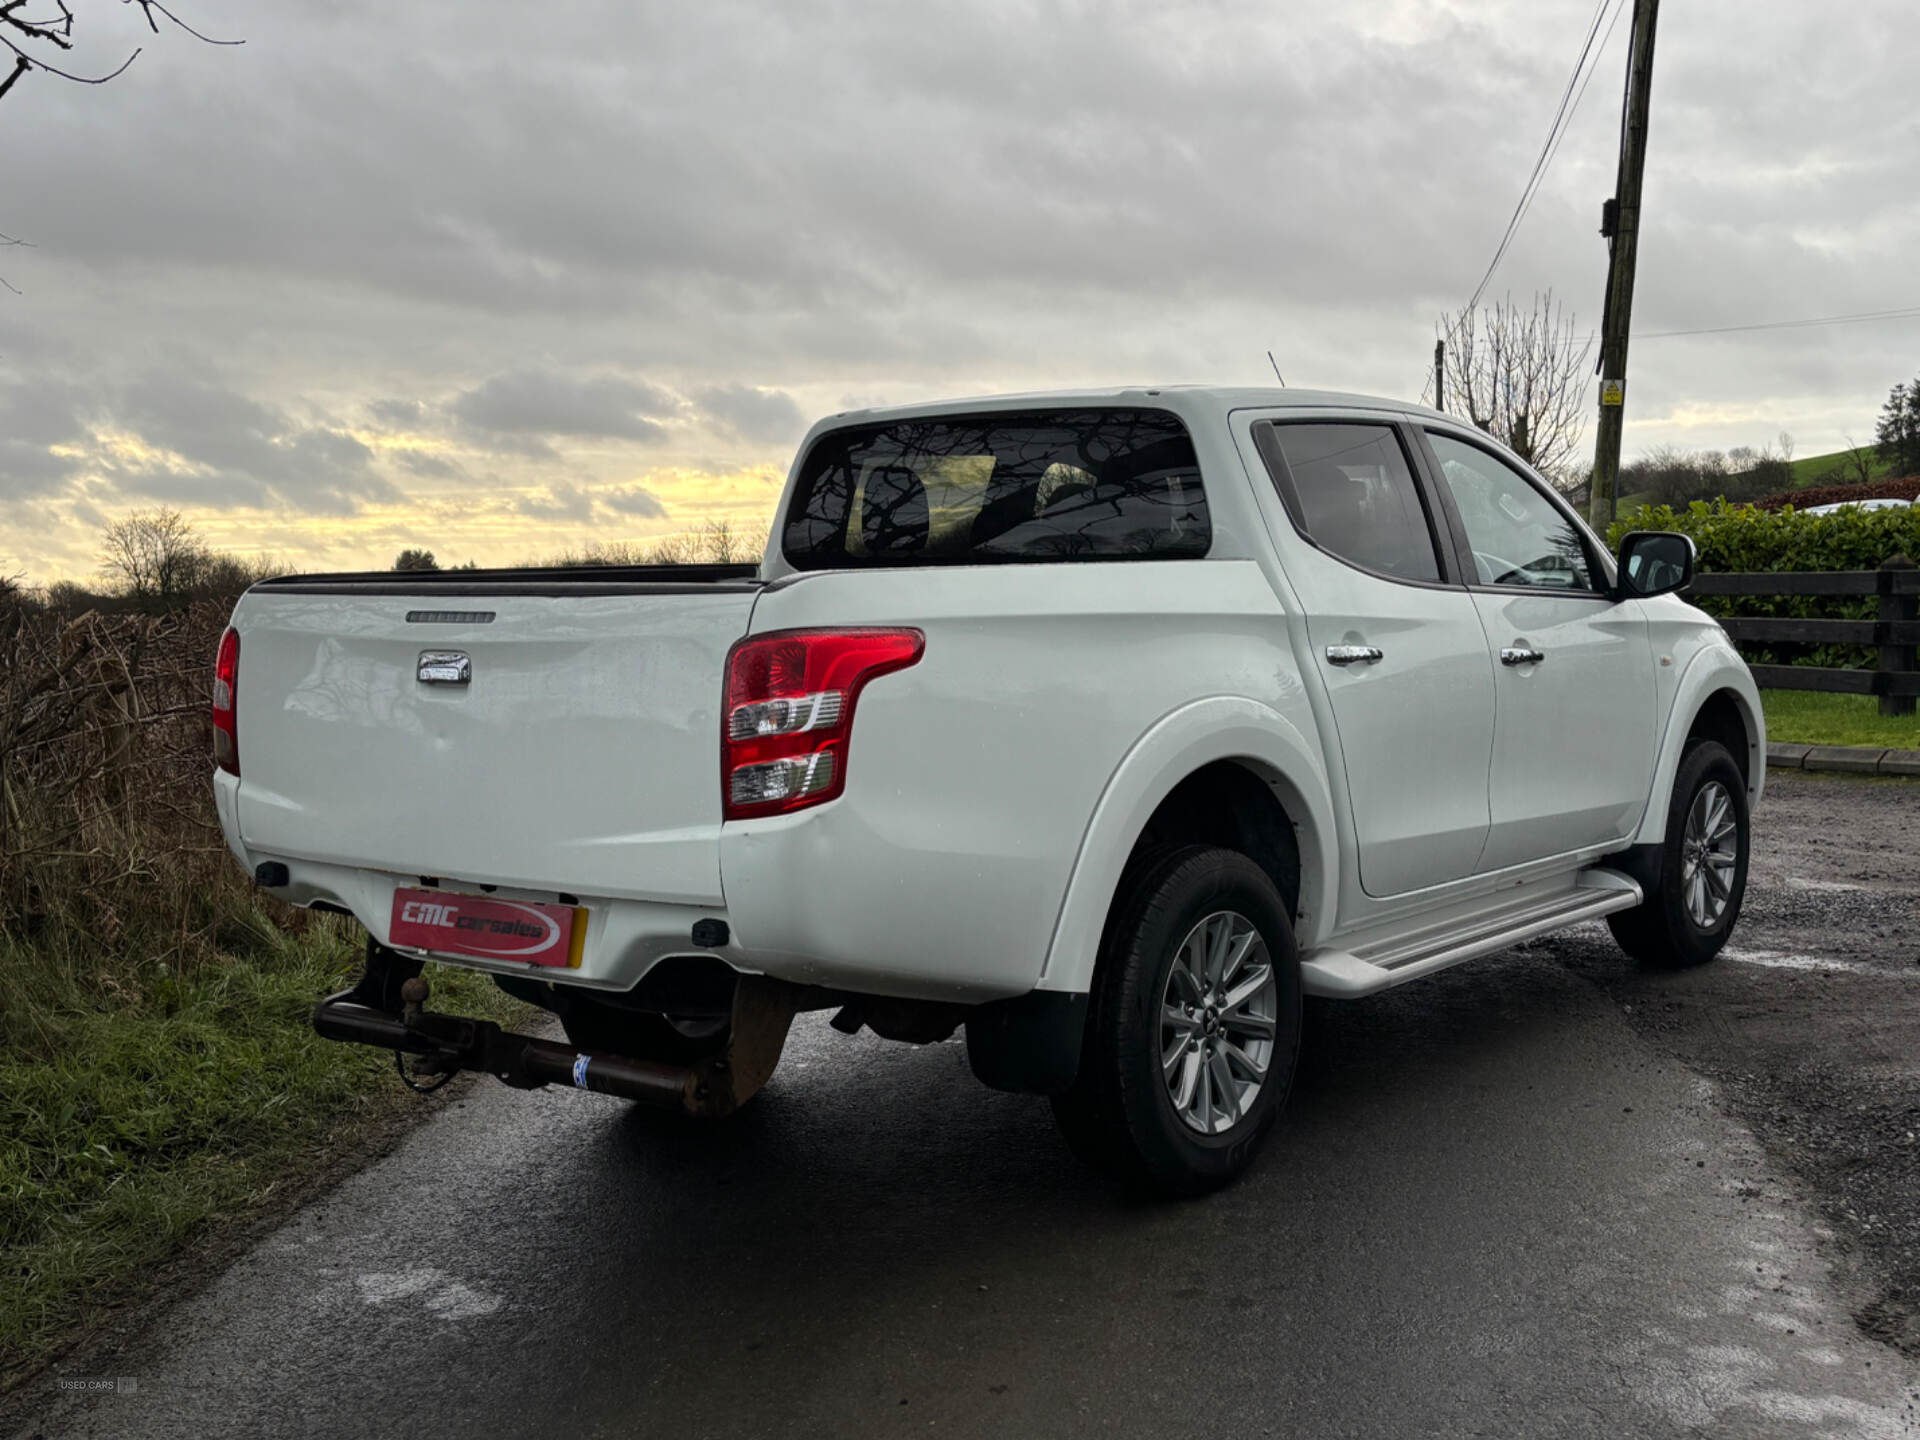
226	680
789	713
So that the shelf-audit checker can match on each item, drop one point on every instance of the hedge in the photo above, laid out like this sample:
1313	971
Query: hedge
1739	537
1907	489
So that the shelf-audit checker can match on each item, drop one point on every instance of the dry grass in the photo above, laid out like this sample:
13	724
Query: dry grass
159	1079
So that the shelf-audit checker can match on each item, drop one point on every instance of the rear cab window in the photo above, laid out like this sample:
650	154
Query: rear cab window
1349	490
1012	487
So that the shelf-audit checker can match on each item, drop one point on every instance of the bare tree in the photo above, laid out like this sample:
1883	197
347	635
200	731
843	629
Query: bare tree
1521	375
1856	465
670	550
35	38
155	556
720	544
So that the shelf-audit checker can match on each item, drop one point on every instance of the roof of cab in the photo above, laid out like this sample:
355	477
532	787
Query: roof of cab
1220	399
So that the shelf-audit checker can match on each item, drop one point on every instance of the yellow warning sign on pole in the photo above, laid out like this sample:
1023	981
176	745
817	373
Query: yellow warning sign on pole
1613	392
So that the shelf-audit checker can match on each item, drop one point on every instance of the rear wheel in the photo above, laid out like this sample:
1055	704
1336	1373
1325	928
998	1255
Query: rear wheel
1194	1026
1703	867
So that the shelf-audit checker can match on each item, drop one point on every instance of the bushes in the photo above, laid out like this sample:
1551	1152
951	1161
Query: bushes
1734	538
159	1077
1907	489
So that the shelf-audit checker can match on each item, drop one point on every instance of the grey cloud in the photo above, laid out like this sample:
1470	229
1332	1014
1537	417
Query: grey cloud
425	462
36	412
242	452
632	500
898	201
398	414
562	501
750	413
540	402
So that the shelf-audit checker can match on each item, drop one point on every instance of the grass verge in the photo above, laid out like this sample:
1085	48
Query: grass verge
1804	717
146	1117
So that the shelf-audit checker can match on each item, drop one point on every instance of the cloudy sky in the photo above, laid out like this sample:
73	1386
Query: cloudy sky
502	279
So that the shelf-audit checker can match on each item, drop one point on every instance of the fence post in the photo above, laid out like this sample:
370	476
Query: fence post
1896	659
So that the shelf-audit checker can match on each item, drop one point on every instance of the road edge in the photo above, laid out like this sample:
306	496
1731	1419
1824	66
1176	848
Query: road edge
1848	759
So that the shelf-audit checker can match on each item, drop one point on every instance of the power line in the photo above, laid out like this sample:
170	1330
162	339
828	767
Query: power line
1562	119
1908	313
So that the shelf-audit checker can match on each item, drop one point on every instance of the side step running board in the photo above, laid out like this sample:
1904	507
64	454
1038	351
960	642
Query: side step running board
1369	968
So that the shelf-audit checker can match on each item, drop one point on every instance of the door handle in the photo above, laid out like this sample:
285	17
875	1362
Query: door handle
1353	654
1517	655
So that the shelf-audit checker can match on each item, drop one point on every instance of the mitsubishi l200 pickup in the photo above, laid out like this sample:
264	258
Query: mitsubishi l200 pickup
1105	726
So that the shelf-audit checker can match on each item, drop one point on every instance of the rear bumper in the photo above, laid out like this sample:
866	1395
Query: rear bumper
822	901
626	938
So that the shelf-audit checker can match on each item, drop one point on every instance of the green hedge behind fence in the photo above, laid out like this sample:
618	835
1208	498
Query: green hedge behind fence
1740	538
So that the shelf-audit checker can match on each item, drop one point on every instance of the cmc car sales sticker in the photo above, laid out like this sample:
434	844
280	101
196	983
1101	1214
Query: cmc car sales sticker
487	929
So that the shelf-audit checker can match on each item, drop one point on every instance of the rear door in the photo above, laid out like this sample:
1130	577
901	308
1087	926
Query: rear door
1399	641
1574	709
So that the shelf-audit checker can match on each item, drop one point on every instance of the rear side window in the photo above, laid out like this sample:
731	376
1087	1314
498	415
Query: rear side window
1024	486
1350	490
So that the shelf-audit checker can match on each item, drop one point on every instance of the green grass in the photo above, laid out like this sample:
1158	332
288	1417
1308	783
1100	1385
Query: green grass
1818	469
1805	717
142	1112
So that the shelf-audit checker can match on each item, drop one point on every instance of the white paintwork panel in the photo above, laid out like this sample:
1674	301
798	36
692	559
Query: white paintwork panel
1574	739
972	776
583	756
1415	727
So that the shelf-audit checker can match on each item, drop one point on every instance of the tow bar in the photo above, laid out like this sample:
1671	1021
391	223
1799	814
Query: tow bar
763	1010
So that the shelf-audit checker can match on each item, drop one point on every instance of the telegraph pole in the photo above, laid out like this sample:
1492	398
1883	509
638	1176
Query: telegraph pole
1620	223
1440	374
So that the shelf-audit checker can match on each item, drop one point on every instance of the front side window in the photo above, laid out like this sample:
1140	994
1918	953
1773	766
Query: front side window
983	489
1517	535
1350	490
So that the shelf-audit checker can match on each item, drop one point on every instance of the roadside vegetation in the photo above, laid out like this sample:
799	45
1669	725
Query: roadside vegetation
1803	717
1742	538
160	1085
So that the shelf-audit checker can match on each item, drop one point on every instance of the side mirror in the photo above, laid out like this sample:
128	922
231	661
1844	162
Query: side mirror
1654	562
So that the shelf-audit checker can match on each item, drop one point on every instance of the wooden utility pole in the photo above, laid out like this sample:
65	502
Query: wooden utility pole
1440	374
1620	223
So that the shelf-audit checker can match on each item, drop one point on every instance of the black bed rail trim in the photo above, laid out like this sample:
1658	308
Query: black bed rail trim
541	581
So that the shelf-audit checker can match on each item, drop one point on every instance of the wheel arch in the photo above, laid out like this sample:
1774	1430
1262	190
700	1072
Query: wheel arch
1225	770
1716	700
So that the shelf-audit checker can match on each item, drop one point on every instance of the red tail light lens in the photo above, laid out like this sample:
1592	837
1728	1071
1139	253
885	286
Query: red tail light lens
226	681
789	713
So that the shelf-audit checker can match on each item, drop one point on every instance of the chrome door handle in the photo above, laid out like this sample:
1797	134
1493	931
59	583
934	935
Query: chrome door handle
1352	654
1515	655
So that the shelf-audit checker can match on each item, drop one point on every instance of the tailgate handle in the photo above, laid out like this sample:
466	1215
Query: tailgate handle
444	667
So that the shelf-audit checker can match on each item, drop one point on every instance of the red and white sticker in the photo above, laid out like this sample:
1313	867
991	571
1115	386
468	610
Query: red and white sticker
486	929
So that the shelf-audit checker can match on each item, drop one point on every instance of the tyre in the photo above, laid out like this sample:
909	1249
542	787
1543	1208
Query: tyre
1695	902
1194	1025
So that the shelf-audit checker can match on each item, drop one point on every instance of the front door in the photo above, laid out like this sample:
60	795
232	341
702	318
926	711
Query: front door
1573	735
1399	643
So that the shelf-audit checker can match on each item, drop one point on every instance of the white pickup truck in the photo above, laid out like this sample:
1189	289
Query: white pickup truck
1106	725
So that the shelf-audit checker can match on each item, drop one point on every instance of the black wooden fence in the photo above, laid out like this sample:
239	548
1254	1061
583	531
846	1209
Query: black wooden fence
1896	630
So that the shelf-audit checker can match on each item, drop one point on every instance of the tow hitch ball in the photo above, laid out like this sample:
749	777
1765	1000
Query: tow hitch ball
763	1010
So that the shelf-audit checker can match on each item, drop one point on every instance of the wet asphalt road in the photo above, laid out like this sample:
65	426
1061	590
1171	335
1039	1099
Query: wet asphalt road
1492	1210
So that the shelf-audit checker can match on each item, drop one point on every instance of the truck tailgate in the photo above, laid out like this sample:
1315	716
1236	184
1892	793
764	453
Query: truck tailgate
581	754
